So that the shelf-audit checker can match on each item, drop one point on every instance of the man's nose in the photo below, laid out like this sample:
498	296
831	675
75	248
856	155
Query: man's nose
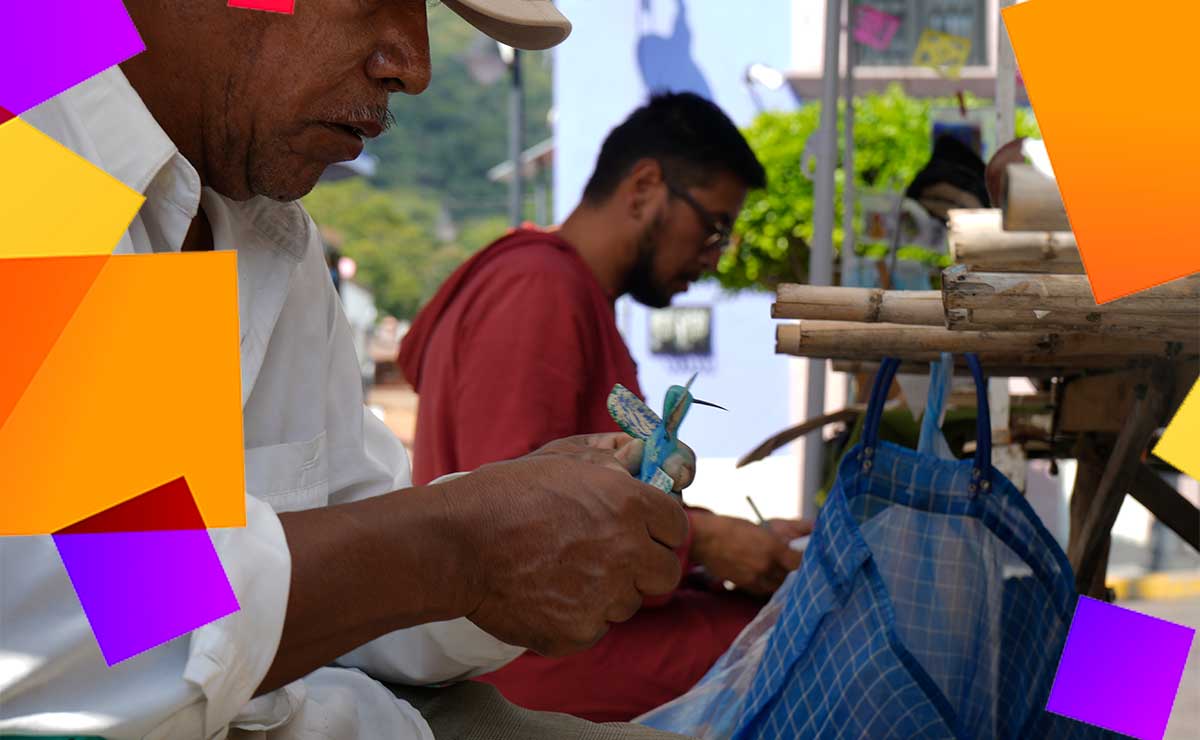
401	60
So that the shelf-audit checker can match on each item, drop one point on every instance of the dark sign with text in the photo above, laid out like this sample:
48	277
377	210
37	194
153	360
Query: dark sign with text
681	331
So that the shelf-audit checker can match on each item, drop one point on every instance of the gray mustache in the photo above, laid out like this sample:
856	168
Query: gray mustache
380	114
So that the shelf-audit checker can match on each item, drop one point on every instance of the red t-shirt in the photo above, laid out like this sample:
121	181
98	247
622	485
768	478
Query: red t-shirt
521	347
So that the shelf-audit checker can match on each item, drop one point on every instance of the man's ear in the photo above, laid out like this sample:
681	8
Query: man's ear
644	188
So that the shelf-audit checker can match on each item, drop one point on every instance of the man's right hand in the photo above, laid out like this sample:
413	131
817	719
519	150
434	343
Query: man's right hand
562	542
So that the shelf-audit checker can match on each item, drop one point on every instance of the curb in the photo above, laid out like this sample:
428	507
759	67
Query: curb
1172	585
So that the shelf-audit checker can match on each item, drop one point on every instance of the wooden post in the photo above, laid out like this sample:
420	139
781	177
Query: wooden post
1091	451
1120	471
1098	403
1165	503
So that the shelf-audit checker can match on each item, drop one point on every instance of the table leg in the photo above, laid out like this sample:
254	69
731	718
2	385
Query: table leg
1120	472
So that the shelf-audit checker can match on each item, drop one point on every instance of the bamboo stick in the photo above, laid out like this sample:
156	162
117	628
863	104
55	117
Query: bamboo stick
963	288
1167	327
923	307
977	238
1032	202
858	341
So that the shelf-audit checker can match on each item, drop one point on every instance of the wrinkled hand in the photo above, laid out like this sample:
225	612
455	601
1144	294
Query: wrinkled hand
564	541
680	465
747	555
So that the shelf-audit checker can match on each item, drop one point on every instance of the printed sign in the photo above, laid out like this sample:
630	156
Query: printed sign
681	331
874	28
944	53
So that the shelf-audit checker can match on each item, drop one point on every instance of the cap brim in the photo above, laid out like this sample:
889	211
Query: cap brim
522	24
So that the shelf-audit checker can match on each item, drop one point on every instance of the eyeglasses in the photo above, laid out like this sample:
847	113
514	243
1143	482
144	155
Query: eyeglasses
720	231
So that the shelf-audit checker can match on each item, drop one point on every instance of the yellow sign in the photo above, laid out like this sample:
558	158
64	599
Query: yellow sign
944	53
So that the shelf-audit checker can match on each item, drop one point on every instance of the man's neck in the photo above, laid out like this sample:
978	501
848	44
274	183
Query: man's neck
178	116
590	231
200	236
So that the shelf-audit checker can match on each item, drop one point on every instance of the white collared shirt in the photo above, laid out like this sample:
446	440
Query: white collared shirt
309	441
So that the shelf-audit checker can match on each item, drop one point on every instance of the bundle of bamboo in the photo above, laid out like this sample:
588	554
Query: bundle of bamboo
1028	301
1019	299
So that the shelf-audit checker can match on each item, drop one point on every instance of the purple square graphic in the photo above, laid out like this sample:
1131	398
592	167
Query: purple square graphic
141	589
1120	669
48	46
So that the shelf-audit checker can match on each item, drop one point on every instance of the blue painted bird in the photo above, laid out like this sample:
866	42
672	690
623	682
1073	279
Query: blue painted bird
637	420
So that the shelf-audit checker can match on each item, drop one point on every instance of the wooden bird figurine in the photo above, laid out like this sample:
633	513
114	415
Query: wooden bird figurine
637	420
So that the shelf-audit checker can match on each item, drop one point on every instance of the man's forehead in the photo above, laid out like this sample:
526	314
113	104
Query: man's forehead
724	194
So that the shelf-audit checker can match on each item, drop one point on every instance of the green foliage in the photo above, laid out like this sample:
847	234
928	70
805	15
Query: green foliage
391	235
437	156
891	142
446	139
480	232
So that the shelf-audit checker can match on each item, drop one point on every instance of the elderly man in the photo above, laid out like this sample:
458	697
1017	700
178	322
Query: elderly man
353	584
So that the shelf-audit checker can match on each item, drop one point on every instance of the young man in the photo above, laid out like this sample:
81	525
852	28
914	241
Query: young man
353	584
521	346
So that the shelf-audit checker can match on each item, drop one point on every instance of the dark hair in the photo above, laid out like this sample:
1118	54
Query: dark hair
691	137
955	163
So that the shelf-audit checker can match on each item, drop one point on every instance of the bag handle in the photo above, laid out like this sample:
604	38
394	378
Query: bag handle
983	423
941	377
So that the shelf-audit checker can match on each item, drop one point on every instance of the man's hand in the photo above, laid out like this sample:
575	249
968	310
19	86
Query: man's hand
564	541
542	552
751	557
680	465
790	529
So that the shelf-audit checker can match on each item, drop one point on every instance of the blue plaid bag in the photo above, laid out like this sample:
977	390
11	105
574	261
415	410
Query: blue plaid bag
932	603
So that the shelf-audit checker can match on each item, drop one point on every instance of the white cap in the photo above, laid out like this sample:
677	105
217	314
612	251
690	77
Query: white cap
523	24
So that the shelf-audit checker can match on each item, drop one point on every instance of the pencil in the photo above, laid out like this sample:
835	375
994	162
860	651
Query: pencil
761	521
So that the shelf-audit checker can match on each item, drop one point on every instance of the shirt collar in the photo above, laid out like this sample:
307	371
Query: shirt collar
131	146
129	142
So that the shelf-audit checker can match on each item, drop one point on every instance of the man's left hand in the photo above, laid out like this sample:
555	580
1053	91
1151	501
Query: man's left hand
753	558
790	529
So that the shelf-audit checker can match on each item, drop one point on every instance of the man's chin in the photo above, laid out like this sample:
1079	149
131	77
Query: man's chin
653	300
290	186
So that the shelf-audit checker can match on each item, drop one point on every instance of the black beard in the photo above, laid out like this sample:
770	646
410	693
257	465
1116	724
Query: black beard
640	282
